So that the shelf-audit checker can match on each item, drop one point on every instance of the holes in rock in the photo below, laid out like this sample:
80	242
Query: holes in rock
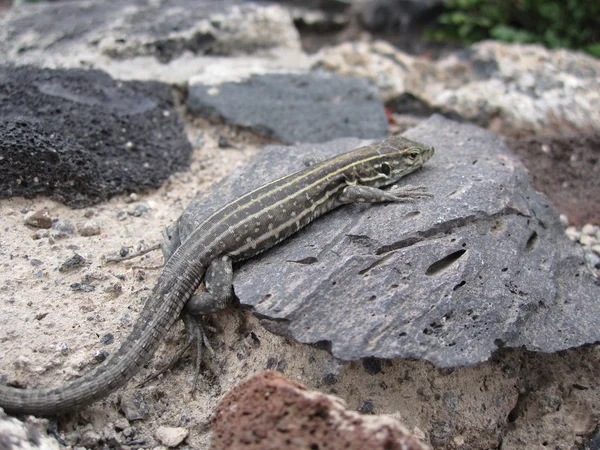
402	334
412	214
265	298
532	242
444	263
372	298
333	283
504	269
308	260
474	162
394	286
459	285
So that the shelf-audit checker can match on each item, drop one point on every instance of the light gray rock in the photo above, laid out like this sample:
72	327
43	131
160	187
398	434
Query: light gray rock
165	40
485	264
506	87
29	434
293	107
517	87
171	436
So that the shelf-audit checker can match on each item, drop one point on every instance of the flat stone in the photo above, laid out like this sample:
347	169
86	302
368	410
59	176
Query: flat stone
292	107
39	219
171	436
82	137
485	264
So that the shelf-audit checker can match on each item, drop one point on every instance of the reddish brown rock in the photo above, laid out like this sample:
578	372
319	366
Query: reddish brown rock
271	412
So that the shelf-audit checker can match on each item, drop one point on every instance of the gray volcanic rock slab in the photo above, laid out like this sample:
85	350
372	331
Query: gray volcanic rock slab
485	264
82	137
293	107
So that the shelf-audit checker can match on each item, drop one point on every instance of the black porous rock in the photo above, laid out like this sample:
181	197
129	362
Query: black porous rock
81	137
485	264
294	107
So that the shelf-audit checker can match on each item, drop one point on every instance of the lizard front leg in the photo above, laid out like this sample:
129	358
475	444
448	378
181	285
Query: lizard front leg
357	193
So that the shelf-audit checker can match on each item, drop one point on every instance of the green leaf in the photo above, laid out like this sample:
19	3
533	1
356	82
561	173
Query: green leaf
593	49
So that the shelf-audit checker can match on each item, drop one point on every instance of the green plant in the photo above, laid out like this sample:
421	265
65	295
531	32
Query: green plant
554	23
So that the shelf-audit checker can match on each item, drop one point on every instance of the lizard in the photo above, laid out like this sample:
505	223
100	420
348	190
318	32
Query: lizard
241	229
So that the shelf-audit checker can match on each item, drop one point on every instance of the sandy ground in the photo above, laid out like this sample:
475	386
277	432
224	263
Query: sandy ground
50	333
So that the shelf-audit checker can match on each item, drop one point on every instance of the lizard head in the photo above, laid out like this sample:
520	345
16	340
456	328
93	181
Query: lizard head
394	158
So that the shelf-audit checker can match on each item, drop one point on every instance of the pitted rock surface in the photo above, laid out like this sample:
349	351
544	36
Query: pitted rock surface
82	137
271	412
293	107
484	264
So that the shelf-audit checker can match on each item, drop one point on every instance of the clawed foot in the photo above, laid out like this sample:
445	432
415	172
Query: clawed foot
195	336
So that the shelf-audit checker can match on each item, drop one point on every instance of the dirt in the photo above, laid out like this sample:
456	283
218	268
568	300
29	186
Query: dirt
567	170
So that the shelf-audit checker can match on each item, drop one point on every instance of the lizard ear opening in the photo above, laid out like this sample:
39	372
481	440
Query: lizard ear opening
385	169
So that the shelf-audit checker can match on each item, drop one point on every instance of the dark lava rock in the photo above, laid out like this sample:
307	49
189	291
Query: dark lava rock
485	264
82	137
301	107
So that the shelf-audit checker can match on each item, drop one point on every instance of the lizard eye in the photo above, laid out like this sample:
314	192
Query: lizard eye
412	156
385	169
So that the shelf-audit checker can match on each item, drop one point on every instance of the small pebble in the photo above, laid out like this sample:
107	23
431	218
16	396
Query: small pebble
74	262
572	233
133	407
596	249
589	229
84	287
62	228
564	220
121	424
223	142
115	289
90	228
107	339
90	439
593	260
39	219
100	355
171	436
40	234
62	347
139	210
586	240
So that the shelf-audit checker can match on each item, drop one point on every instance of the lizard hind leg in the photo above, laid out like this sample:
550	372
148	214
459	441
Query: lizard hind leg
218	295
195	336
